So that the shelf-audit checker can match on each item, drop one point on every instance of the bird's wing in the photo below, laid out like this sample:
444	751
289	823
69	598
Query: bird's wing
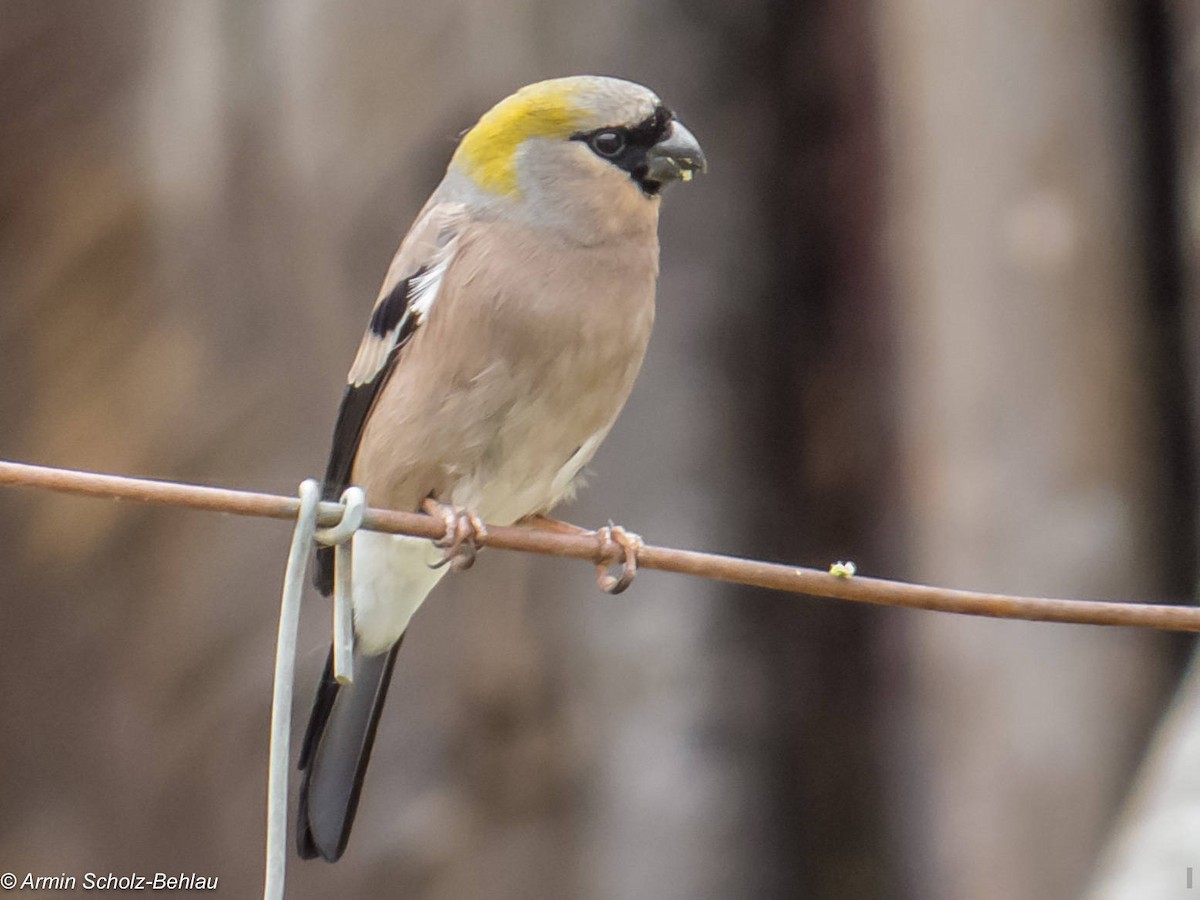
409	291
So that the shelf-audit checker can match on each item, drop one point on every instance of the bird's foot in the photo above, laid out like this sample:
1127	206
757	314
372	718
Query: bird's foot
464	529
616	546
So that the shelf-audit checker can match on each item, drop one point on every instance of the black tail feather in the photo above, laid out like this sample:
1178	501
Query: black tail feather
336	750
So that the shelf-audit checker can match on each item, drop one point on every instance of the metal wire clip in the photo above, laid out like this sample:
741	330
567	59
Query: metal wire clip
354	505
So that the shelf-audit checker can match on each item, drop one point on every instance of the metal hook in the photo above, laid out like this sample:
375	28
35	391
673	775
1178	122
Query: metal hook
354	505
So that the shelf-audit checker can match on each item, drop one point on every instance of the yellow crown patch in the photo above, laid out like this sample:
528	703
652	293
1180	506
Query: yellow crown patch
488	151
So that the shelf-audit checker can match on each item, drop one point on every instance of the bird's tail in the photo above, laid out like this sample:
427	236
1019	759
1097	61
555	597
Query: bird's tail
336	750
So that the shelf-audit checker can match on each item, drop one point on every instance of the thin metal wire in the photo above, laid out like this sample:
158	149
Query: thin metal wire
585	546
281	695
343	615
354	505
341	536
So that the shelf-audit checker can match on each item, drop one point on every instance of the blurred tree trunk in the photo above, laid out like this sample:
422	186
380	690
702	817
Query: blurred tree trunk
813	361
1154	847
1182	36
1034	447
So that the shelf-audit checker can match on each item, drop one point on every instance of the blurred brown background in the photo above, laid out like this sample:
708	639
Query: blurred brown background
934	309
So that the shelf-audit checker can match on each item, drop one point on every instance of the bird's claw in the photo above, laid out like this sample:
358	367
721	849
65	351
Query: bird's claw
616	545
460	543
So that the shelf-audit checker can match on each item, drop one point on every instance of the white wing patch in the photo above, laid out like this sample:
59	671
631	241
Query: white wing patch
424	288
407	297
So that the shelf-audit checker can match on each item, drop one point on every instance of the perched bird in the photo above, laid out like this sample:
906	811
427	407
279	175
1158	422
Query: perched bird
504	341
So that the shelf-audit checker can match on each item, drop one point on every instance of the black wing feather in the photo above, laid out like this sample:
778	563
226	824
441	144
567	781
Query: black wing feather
357	403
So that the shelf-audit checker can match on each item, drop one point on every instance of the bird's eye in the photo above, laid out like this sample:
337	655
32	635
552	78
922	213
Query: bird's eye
608	143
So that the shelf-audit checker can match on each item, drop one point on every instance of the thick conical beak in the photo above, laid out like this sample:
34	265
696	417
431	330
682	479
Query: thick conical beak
676	156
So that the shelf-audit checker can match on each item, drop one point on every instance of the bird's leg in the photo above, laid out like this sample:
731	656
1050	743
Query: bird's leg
464	528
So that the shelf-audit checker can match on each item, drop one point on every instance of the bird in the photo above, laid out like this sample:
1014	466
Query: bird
503	343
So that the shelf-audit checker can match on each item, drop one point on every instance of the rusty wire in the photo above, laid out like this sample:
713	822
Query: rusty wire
585	546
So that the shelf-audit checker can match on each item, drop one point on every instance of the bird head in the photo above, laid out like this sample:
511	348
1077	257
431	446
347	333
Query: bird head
585	146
